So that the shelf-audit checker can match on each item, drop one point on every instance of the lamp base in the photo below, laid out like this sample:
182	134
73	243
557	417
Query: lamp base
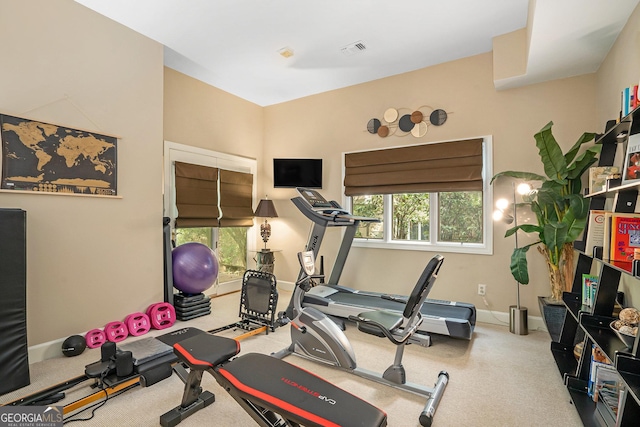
518	320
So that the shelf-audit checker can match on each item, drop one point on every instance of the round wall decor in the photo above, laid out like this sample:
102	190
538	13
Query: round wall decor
438	117
373	125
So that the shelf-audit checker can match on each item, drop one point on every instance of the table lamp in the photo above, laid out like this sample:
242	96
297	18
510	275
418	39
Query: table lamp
265	210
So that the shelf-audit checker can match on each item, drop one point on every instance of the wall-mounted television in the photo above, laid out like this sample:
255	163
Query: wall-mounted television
290	173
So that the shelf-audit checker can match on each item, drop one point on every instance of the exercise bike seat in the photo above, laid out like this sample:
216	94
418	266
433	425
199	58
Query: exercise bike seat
372	322
297	394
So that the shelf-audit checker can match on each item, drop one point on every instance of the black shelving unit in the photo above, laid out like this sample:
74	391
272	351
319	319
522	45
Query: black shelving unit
591	325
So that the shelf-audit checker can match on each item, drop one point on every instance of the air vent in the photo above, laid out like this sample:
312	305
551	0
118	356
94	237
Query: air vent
353	48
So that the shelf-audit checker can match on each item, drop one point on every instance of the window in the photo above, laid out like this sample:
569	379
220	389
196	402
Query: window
229	234
450	220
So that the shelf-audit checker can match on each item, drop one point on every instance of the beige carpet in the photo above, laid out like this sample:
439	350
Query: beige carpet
497	379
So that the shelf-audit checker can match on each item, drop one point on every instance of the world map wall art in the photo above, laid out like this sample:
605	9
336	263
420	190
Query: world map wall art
41	157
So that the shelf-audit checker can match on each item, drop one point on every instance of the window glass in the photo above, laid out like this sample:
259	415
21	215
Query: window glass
232	250
410	216
460	215
370	207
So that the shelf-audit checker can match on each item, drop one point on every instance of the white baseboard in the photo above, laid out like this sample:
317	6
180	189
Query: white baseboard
535	323
46	350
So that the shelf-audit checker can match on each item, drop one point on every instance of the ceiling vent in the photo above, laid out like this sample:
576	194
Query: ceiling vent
353	48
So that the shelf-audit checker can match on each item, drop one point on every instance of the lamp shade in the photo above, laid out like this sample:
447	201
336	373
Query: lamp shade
266	209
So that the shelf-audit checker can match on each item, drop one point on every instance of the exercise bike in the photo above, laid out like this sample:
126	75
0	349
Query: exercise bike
316	336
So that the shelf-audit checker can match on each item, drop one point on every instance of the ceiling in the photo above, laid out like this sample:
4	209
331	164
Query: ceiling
234	44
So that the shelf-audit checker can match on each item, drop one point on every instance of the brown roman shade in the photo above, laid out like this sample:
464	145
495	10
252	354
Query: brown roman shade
446	166
236	199
201	189
196	195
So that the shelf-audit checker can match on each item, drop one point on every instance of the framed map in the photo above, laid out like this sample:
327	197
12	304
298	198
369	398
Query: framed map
42	157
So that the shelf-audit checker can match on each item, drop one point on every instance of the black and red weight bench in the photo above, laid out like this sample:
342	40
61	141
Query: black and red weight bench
272	391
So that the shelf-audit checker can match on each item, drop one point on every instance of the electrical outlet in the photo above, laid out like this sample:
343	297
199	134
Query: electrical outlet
482	289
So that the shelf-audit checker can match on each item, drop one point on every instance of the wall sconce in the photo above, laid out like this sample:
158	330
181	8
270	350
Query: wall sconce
507	212
265	210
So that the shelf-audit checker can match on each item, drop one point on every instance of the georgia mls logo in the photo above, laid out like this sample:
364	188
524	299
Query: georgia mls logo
31	416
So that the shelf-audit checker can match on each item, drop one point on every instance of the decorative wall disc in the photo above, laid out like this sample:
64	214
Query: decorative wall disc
383	131
420	129
438	117
373	125
416	117
390	115
405	124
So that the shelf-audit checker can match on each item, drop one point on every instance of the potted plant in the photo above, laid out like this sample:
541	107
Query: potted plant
559	206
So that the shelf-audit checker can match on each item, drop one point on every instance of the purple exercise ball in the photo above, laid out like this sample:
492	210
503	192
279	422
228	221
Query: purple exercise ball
195	268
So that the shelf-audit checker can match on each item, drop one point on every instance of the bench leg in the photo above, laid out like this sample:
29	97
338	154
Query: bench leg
193	399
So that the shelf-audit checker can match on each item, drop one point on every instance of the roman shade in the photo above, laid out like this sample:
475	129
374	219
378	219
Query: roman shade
212	197
440	167
236	199
196	195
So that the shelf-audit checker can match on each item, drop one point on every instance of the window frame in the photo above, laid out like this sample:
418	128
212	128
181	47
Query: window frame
485	248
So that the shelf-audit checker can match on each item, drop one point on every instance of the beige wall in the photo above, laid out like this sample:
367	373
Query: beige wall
328	124
620	69
206	117
89	260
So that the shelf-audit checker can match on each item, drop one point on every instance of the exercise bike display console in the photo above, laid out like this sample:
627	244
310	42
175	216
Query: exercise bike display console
452	318
317	337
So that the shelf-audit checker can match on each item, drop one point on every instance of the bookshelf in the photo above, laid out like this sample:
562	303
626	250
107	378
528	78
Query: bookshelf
590	324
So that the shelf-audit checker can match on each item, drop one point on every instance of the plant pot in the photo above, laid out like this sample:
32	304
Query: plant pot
553	315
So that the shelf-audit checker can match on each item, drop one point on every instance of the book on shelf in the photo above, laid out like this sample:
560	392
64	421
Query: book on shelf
595	230
599	176
606	243
624	101
598	358
606	391
589	286
631	169
625	236
628	99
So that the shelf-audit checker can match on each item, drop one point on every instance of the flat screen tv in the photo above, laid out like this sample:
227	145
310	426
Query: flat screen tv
290	173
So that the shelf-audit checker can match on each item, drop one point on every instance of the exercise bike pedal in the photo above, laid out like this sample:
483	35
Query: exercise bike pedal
282	319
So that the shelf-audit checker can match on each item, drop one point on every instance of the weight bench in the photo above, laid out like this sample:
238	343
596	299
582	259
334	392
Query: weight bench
272	391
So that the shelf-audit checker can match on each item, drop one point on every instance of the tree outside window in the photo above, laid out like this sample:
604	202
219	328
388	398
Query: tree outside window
460	217
410	216
370	207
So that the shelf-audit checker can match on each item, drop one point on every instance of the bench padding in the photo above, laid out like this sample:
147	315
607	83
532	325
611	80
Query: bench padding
205	351
298	394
